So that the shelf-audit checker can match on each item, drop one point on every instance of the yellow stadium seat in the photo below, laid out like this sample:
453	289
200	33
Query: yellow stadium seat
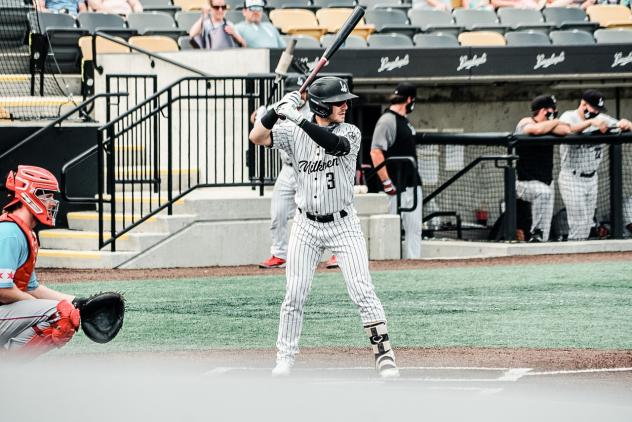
334	18
190	4
154	43
610	15
297	22
481	38
103	46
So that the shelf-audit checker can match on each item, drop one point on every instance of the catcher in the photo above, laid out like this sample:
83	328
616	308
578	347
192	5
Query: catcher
33	317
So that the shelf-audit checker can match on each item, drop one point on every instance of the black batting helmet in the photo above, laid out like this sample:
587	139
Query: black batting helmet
325	91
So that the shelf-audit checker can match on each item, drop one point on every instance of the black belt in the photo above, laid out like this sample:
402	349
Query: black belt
587	175
326	218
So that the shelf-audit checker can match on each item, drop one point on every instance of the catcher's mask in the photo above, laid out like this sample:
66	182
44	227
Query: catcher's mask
35	187
326	91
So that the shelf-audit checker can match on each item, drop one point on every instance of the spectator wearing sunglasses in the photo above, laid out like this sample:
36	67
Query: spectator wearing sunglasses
212	31
258	34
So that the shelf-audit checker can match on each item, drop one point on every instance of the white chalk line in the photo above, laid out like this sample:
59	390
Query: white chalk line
580	371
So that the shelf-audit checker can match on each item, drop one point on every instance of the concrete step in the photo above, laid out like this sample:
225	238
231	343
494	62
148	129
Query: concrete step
89	221
89	241
58	258
142	203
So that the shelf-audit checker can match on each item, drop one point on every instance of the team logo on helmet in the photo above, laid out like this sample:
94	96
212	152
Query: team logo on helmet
343	86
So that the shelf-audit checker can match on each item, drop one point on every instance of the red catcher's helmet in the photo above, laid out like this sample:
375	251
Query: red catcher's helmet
35	187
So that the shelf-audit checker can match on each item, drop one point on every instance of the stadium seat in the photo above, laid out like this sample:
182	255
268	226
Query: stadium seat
61	38
235	16
154	43
297	22
106	22
435	40
235	4
526	38
103	46
571	37
434	21
389	20
303	41
568	18
352	41
185	20
610	15
164	6
14	24
374	4
333	3
154	23
478	20
187	5
184	43
288	4
523	19
334	18
613	36
481	38
389	41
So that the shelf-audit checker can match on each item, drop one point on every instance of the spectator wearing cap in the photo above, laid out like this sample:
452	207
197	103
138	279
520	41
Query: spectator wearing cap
535	167
579	163
258	34
212	31
72	7
119	7
394	136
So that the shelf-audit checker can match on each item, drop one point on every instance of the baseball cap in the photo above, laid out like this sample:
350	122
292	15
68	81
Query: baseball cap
405	90
595	99
254	4
543	101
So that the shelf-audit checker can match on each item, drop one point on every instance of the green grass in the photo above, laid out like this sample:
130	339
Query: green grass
544	306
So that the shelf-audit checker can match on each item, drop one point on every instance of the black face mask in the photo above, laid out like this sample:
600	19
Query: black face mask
590	114
550	115
410	107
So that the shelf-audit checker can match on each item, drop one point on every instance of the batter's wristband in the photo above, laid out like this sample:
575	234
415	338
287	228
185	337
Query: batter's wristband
269	119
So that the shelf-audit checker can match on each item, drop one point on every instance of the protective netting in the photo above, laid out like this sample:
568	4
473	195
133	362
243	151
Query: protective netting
573	206
22	97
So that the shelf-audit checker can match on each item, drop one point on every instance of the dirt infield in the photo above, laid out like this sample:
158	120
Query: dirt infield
72	275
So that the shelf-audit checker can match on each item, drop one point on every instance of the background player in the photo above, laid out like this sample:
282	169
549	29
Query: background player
283	204
395	136
324	153
32	316
535	166
579	163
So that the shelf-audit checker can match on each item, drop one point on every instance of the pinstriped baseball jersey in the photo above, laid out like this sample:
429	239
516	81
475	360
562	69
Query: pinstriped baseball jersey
582	158
325	181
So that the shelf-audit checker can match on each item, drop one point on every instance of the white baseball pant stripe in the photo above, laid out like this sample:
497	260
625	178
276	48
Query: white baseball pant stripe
18	319
411	221
542	198
580	199
282	207
308	241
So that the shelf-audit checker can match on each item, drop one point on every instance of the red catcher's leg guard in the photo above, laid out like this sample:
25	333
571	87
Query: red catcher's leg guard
63	325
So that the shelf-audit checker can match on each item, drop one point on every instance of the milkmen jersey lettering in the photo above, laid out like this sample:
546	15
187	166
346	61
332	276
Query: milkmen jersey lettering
325	182
582	158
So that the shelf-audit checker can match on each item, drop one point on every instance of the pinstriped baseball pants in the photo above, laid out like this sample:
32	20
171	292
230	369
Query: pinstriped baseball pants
308	240
282	207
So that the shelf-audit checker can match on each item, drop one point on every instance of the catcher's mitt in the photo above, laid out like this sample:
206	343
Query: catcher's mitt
101	315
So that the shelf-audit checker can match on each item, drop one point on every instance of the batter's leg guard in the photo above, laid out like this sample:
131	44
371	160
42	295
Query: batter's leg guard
384	355
57	331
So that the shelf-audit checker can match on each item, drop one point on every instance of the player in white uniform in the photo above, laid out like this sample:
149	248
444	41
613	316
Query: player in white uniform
283	204
579	163
324	153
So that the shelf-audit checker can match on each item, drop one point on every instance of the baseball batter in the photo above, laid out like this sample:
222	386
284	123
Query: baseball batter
579	163
323	152
535	166
32	316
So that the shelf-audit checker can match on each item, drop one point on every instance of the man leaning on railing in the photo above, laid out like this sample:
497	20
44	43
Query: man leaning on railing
534	183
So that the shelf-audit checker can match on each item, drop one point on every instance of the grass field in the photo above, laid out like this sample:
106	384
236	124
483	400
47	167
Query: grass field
541	306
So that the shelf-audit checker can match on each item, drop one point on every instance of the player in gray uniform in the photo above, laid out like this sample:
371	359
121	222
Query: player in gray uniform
579	163
324	153
535	166
283	204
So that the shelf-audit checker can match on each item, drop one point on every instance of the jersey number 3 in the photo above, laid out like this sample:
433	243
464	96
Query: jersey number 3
331	181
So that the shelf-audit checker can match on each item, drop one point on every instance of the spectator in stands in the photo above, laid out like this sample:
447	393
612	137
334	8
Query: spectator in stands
571	3
535	166
433	4
72	7
522	4
212	31
477	4
119	7
258	34
395	136
579	163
